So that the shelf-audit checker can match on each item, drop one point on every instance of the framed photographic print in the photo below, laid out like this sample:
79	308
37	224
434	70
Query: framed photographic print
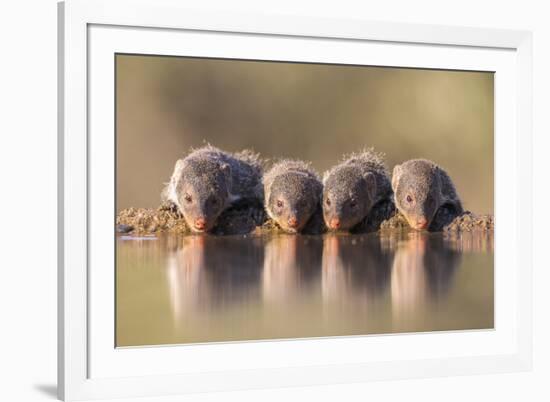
252	201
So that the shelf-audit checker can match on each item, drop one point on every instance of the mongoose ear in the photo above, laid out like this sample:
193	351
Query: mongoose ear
439	175
180	163
165	193
325	178
371	185
176	175
225	168
318	191
395	177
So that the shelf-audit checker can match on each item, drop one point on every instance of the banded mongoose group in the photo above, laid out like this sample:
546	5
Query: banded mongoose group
209	181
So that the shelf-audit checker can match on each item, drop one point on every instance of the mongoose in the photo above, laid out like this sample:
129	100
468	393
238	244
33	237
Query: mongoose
352	189
425	194
208	181
293	195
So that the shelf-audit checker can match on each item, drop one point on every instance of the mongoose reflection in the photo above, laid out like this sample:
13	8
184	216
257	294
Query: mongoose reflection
423	268
423	190
292	195
353	187
291	268
211	273
355	269
208	181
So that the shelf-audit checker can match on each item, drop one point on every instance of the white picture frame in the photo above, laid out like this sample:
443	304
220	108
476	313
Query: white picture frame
90	32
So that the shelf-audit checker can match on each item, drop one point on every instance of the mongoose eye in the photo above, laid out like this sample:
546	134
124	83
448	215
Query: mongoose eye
353	203
409	199
188	198
279	204
328	201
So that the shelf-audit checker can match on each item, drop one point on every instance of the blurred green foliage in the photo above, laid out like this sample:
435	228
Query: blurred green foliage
165	105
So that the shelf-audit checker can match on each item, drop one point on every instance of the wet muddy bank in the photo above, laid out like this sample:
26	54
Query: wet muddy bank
166	219
466	222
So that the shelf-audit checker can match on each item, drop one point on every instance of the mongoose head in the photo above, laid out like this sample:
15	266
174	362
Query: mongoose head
348	197
202	192
417	188
292	199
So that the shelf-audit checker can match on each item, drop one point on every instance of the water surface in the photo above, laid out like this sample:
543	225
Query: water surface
187	289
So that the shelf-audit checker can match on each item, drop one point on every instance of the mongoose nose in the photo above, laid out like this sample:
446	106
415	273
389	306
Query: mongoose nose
334	223
200	223
421	223
292	222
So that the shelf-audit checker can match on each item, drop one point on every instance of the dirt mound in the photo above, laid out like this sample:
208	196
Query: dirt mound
467	222
148	220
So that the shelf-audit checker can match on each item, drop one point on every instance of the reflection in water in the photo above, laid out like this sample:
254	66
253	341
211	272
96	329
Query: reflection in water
291	267
213	273
184	270
423	268
205	288
356	270
471	242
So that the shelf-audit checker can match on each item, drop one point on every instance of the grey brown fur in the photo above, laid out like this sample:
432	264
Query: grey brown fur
425	194
354	188
208	181
293	192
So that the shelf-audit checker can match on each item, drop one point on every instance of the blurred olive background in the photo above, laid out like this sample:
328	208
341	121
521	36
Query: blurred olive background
165	105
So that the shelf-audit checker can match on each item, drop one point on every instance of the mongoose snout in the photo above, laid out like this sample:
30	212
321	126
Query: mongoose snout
352	188
421	189
292	194
421	223
200	224
293	222
334	223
